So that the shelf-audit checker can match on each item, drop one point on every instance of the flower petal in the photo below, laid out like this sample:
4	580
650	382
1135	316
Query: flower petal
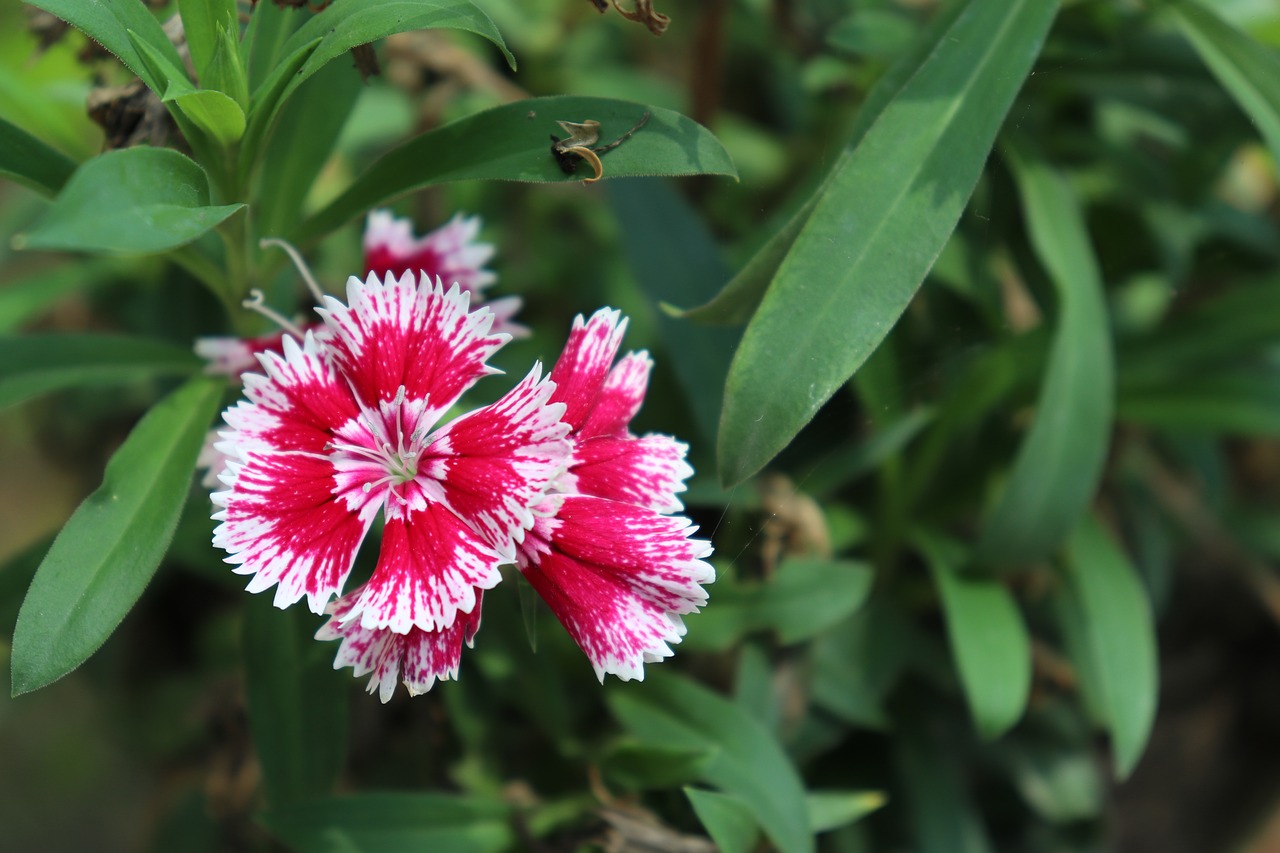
620	398
428	571
495	462
618	577
409	333
647	471
229	356
418	657
583	366
286	519
449	253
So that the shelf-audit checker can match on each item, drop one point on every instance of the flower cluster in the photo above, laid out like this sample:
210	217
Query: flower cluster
346	424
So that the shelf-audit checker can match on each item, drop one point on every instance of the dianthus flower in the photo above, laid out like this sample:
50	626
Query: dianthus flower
613	565
332	433
450	253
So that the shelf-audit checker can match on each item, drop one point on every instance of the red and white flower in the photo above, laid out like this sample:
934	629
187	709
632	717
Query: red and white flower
332	434
451	253
605	554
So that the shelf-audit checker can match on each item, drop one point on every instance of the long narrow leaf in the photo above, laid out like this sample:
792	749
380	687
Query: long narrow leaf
1060	462
1249	71
108	22
37	364
510	143
393	823
876	230
989	640
349	23
107	552
30	161
738	300
1112	636
297	703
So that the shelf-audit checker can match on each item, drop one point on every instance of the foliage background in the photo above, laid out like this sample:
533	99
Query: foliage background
1064	450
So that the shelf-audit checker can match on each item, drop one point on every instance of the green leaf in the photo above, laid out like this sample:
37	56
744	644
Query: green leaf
266	103
349	23
739	298
804	598
857	663
833	809
23	299
108	22
1235	400
37	364
727	819
213	112
510	143
206	121
876	229
989	640
201	20
297	702
304	137
31	162
393	823
749	762
1248	70
1057	468
652	213
1110	632
112	544
134	200
637	766
942	816
225	71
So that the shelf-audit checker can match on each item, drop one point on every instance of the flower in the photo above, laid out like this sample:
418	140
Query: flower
605	554
450	252
335	432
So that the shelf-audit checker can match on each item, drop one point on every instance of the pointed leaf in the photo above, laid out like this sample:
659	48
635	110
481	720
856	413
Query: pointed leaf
31	162
510	143
876	230
642	766
833	809
749	764
1060	461
108	22
297	702
1112	638
738	300
349	23
37	364
727	819
201	20
1248	70
989	640
213	112
134	200
107	552
393	823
